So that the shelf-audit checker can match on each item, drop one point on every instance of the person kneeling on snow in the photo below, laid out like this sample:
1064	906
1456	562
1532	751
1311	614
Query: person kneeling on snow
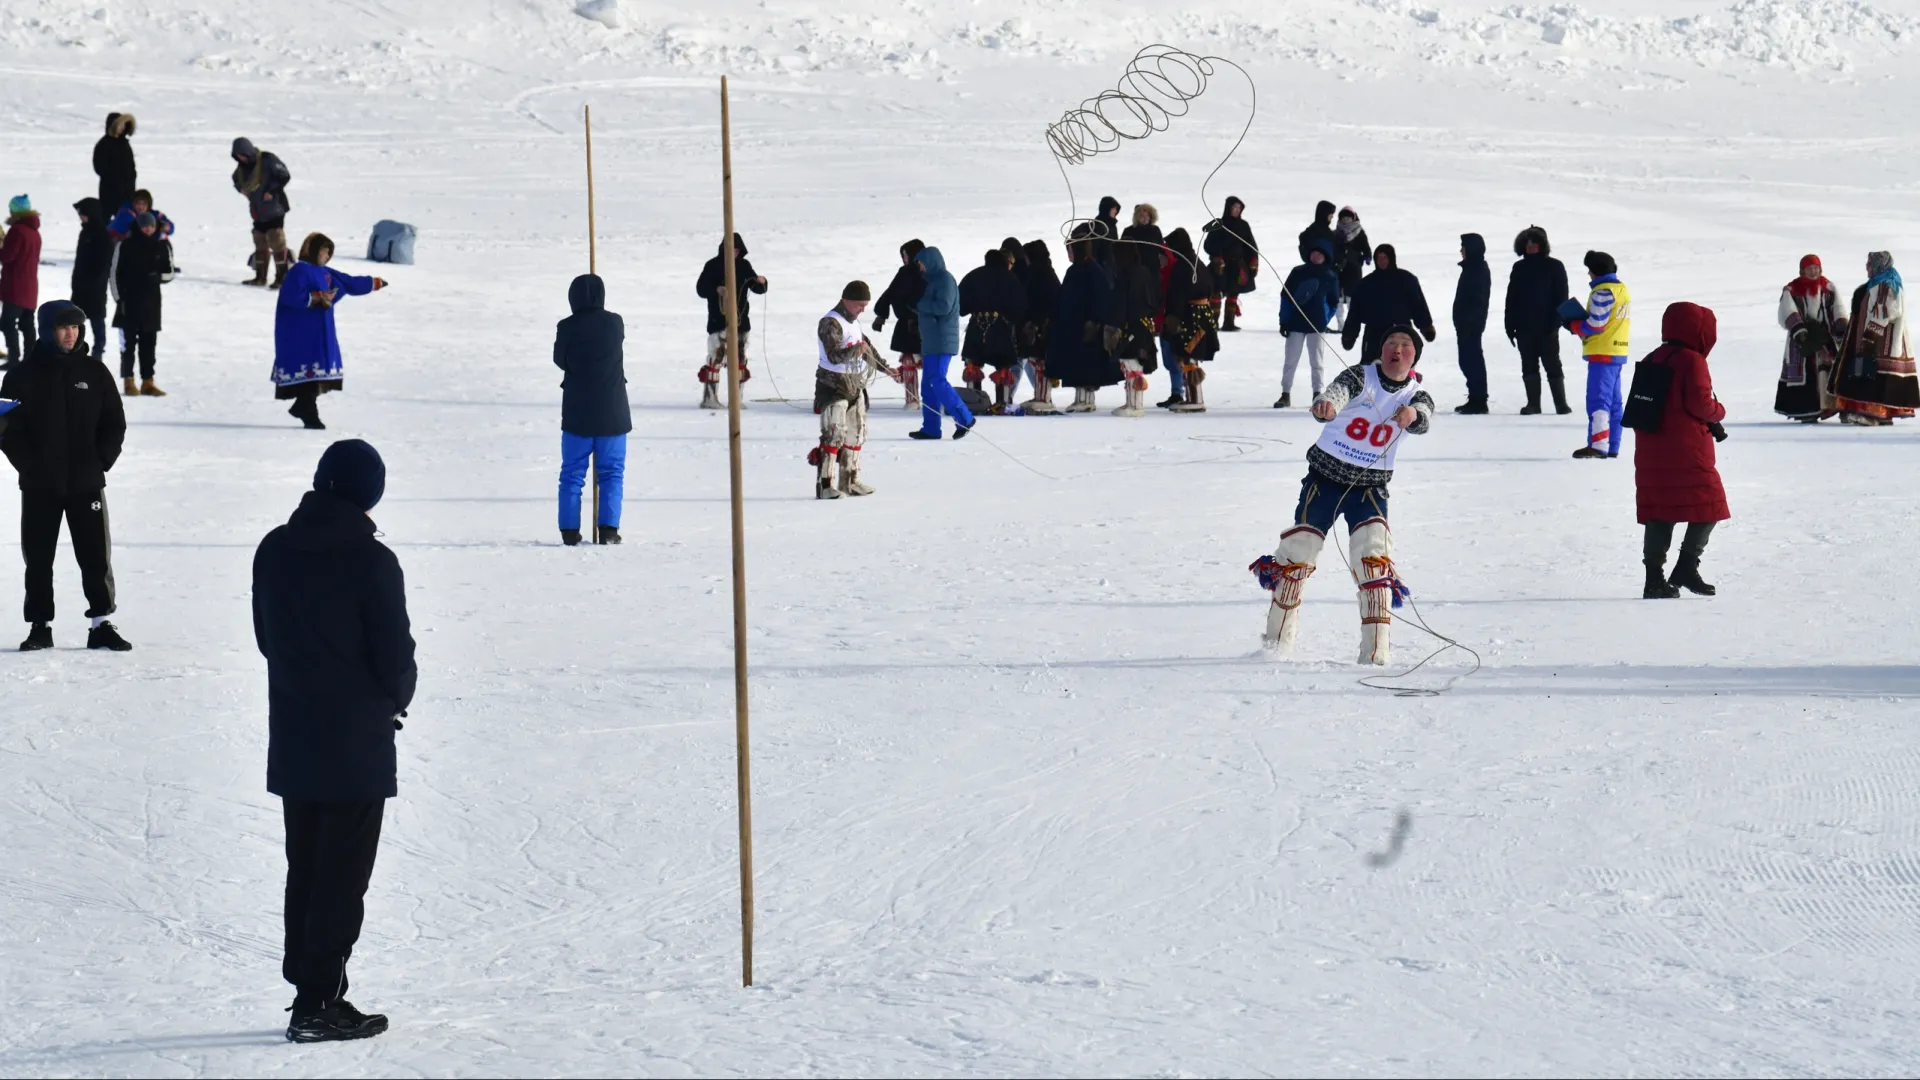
1366	409
594	415
847	361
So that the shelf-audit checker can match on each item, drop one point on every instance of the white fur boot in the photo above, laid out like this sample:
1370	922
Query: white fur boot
824	487
1135	380
850	472
1372	550
1297	555
1196	397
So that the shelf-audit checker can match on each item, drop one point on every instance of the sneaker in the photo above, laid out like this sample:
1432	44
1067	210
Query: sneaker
609	534
960	431
570	537
332	1021
920	434
105	636
1172	400
39	637
1530	410
1473	407
1285	402
1590	452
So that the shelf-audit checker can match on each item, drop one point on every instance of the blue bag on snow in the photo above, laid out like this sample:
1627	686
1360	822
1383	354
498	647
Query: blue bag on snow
392	242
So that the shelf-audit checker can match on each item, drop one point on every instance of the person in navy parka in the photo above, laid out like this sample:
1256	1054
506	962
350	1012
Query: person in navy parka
594	414
306	348
1470	302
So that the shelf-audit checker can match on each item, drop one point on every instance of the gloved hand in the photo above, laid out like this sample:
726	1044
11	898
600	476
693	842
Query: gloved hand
1348	336
1718	431
1428	333
379	283
879	323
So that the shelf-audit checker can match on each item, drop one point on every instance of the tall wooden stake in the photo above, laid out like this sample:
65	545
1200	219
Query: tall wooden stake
739	549
593	267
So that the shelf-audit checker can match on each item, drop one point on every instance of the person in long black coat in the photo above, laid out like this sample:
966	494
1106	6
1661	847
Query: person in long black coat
113	163
1320	229
138	264
1234	257
1352	254
713	282
1386	298
595	417
1107	229
92	268
1043	289
1139	300
994	302
1470	301
330	616
1191	323
1144	232
898	299
1076	341
1536	288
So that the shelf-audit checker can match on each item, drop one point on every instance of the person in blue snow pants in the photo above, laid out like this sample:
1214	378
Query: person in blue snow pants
939	311
1604	396
589	346
938	397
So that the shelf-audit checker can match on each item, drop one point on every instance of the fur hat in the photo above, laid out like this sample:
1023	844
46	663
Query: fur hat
856	290
1153	214
120	125
1600	264
1532	234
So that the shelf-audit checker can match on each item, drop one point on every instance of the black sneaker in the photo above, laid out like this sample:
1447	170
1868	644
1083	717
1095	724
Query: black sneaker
960	431
1285	402
39	637
1473	407
105	636
920	434
609	534
570	537
1172	400
332	1021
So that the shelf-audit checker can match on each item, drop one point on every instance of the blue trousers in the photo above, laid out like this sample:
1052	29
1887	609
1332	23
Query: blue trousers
1473	365
609	454
1322	502
937	396
1605	403
1171	361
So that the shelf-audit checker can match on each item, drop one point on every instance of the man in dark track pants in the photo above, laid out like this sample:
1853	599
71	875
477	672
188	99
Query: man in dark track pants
62	438
330	616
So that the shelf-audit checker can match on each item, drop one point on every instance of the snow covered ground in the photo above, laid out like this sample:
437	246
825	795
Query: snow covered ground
1027	800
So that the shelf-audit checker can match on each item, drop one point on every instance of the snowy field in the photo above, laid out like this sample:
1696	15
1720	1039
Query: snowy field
1028	801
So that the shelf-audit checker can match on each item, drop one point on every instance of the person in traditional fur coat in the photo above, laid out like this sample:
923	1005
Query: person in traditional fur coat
1874	381
994	301
898	298
1137	288
848	361
1043	288
1192	322
1810	313
1234	257
1083	317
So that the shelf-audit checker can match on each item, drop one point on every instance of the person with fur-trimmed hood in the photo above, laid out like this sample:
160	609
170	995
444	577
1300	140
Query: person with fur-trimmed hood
263	178
711	286
1816	325
898	298
1043	288
994	301
1192	323
113	162
848	362
1234	257
1365	410
1084	314
1536	288
1873	384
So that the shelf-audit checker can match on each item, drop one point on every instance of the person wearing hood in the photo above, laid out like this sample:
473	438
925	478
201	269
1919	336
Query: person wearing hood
1234	257
121	224
711	287
141	263
1874	380
330	617
1815	323
1189	333
92	268
1043	289
1388	297
939	312
1085	315
63	439
898	298
1675	477
589	346
1137	350
1352	254
993	300
1604	328
306	346
1471	299
263	178
1365	411
848	362
1536	288
1108	228
113	162
1308	304
19	277
1320	228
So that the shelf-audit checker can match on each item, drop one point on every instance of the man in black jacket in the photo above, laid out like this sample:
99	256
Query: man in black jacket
1321	229
92	266
1535	290
711	286
62	439
113	163
595	417
1470	301
1386	298
330	616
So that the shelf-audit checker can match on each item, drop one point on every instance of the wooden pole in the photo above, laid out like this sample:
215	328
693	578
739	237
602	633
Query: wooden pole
593	267
739	548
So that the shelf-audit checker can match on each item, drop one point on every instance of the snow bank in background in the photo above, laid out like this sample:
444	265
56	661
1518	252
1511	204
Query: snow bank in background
605	12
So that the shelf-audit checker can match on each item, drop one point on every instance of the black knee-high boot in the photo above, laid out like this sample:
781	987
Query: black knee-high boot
1686	569
1659	538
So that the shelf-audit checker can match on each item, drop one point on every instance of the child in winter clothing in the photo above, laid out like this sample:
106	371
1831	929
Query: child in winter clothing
710	287
1308	303
1348	468
1603	328
589	346
1470	300
306	346
142	203
19	277
140	263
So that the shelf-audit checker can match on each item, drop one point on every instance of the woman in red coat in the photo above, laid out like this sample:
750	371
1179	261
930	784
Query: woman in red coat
1674	475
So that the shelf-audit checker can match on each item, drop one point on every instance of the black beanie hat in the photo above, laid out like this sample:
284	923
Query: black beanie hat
1600	264
1419	343
352	469
856	290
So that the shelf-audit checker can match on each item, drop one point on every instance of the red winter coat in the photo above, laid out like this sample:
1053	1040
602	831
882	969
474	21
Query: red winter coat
1674	476
20	262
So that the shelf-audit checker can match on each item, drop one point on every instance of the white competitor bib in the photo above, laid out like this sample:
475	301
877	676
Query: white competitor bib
1365	434
850	335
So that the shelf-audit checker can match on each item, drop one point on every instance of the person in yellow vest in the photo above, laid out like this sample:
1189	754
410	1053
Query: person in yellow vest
1603	328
